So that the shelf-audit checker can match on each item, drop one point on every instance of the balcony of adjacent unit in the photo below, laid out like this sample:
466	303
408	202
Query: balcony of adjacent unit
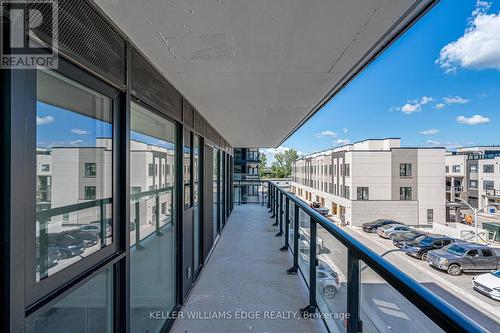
493	193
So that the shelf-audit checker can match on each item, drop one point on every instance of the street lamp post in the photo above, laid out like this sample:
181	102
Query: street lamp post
476	210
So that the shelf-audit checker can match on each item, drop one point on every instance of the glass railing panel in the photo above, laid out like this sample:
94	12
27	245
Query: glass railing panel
291	224
383	308
331	280
304	228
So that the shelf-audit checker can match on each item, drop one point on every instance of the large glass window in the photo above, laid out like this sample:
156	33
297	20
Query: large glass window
152	218
187	169
215	180
196	200
87	309
73	140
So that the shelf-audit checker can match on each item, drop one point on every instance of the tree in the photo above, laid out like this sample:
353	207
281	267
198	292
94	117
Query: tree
282	165
262	164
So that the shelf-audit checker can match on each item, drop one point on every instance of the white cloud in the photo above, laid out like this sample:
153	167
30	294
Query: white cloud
474	120
426	99
342	141
414	105
429	131
440	106
433	142
345	130
479	47
326	133
76	142
79	131
411	108
455	100
44	120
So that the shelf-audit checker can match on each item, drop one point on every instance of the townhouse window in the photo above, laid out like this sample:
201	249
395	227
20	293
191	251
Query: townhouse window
90	170
347	171
430	215
488	184
473	184
488	168
66	217
135	190
455	168
45	167
447	169
405	193
362	193
405	169
347	192
151	170
473	168
89	193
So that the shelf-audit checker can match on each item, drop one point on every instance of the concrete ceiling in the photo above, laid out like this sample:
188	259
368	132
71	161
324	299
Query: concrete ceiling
256	69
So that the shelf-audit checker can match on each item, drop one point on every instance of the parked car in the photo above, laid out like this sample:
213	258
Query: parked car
68	245
89	239
327	279
464	257
392	230
420	247
95	228
372	226
400	240
53	256
304	244
488	284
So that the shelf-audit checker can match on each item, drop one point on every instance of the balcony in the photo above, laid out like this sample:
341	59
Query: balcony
247	279
457	188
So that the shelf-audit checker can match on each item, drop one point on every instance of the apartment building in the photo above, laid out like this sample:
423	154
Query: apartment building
246	173
68	175
473	175
375	178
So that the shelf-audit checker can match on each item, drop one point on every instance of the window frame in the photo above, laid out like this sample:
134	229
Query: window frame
403	193
404	171
41	291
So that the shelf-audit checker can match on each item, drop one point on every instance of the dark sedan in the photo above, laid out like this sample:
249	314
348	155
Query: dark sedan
68	245
89	239
372	226
400	240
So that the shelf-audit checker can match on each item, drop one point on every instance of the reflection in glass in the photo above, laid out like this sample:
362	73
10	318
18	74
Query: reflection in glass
73	172
87	309
196	200
331	278
152	214
216	199
187	169
304	244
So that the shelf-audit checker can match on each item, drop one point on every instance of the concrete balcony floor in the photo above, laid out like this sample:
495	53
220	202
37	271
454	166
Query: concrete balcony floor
246	275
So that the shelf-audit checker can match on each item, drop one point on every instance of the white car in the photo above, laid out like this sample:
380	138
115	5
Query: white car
488	284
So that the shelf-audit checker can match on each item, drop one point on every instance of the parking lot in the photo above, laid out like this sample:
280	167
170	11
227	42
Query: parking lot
456	290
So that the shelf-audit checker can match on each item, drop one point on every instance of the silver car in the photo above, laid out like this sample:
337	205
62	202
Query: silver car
392	230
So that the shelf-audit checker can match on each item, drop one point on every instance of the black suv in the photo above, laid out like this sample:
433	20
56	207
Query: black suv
400	240
419	247
372	226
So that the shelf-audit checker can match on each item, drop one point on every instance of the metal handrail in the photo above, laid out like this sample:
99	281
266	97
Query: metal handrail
434	307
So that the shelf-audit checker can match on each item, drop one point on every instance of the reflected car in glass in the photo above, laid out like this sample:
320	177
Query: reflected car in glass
372	226
68	245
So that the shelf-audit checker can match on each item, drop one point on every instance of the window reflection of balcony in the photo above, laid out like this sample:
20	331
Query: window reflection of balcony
491	193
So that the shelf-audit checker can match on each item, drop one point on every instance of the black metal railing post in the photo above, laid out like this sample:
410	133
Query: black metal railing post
276	206
138	245
295	268
102	213
287	224
43	248
274	203
353	287
268	194
158	232
311	308
280	217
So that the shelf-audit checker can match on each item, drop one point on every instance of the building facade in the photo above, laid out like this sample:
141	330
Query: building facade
375	178
247	187
473	175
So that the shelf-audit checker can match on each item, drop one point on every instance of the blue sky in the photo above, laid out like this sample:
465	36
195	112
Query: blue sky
409	92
